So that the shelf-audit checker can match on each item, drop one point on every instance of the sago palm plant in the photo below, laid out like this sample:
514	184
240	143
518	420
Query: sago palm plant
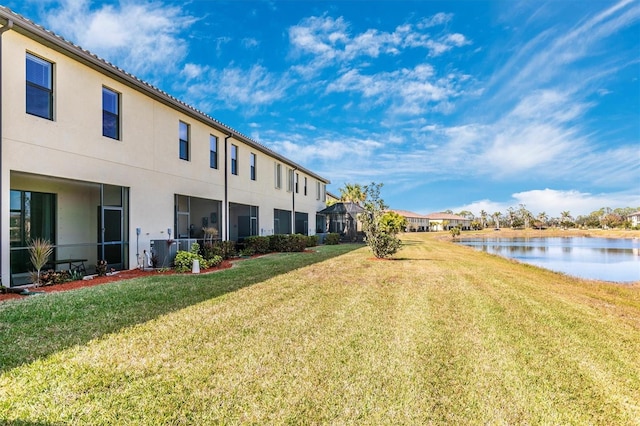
40	250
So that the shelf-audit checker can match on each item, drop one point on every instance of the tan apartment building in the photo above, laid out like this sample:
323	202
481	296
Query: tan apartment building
415	222
103	164
447	221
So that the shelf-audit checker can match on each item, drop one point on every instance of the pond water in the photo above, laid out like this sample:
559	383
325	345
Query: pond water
607	259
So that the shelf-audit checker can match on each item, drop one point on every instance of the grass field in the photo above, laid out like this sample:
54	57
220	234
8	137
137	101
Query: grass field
442	334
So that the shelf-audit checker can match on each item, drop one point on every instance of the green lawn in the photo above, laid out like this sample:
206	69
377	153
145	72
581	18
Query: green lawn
441	335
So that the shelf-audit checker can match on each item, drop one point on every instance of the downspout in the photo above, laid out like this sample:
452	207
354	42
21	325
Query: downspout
225	237
293	202
4	29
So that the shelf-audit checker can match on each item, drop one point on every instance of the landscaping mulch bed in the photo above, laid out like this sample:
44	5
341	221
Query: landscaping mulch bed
119	276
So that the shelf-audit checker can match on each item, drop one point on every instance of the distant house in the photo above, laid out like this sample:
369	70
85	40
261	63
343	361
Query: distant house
415	222
634	218
447	221
332	198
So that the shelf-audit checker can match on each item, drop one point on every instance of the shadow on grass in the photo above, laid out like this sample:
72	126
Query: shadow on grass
411	242
415	259
40	326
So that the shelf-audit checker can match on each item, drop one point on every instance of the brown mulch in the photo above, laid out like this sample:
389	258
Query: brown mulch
120	276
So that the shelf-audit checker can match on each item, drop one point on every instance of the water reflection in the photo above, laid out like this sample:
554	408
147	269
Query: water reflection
608	259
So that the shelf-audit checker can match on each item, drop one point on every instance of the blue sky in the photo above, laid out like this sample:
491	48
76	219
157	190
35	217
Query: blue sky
461	105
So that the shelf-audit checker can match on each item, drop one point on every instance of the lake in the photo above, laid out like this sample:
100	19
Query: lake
607	259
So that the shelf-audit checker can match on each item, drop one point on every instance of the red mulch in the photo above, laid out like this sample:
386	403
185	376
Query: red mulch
122	275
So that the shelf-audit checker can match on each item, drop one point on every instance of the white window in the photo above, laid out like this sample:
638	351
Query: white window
290	180
278	175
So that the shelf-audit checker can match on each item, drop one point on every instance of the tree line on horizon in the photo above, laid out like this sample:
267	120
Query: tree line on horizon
521	217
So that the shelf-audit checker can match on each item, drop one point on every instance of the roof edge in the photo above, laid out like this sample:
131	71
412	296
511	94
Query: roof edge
30	29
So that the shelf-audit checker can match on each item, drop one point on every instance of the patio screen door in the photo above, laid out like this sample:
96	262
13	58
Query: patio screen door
111	247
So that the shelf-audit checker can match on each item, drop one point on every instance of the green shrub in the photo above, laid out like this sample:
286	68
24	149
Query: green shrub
287	242
312	240
383	244
277	242
257	244
332	238
184	261
247	252
297	243
380	227
224	249
214	261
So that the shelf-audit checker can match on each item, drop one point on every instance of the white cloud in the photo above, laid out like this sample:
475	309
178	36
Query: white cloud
138	37
437	19
549	58
407	91
193	71
234	87
250	43
553	202
328	42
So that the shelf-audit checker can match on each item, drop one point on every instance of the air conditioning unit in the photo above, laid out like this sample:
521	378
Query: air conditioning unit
166	252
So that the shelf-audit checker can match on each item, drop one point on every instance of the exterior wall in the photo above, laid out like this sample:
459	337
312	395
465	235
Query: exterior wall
145	159
417	223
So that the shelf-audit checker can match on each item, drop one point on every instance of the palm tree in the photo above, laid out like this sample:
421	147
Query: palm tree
565	218
353	193
496	219
483	218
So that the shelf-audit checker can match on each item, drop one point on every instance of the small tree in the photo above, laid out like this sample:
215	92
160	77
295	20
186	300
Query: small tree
39	251
380	227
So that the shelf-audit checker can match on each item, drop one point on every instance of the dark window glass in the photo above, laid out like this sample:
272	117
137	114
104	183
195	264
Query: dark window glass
31	215
253	166
184	141
234	160
39	87
110	114
213	152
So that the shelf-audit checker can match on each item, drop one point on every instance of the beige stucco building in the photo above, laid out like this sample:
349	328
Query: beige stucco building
415	222
103	164
447	221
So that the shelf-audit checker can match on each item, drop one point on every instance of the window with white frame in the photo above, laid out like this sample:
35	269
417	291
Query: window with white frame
39	101
318	190
277	178
305	185
290	176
